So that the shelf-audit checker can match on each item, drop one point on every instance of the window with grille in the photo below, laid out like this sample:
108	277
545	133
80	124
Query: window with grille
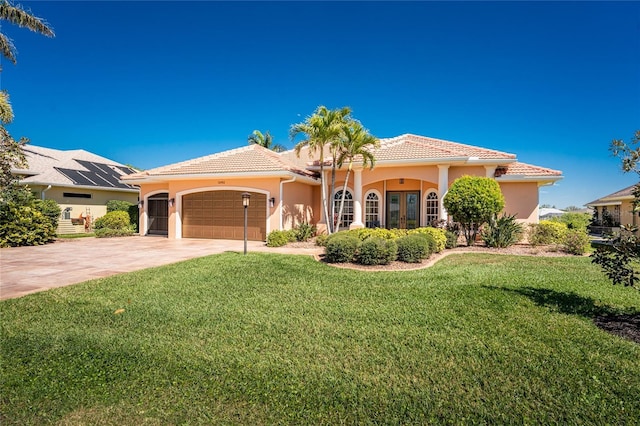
347	211
431	208
615	215
372	210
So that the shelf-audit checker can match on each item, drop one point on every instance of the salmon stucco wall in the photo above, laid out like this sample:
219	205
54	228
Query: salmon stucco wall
521	199
297	205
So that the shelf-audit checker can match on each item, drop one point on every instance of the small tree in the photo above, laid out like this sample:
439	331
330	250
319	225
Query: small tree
619	258
473	201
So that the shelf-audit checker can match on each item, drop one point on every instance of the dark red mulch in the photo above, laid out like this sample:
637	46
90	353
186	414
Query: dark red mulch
625	326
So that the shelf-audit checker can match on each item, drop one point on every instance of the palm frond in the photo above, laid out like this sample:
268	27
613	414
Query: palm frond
7	48
6	111
18	16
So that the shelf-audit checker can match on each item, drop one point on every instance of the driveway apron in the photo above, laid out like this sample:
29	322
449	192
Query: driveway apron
25	270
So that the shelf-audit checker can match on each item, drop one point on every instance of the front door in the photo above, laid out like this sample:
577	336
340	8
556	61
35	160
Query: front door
403	210
158	213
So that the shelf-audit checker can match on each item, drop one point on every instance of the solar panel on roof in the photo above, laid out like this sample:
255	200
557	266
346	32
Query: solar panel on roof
76	177
97	174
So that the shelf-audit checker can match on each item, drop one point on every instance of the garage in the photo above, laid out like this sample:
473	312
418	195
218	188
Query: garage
220	215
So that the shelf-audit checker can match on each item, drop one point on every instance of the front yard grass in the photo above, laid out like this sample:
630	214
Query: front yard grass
264	339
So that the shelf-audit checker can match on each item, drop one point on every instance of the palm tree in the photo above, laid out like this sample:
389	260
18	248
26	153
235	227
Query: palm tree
11	152
265	140
358	142
322	128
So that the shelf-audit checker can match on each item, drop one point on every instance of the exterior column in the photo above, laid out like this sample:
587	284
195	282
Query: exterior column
322	225
357	201
443	187
490	171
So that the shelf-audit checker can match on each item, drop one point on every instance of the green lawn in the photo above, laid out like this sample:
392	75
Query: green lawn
273	339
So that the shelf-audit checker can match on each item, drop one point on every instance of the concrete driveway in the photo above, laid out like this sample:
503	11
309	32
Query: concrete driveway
25	270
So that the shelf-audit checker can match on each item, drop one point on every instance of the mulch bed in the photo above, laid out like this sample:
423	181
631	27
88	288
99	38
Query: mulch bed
625	326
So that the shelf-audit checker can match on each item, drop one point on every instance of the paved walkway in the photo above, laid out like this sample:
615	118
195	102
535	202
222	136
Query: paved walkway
25	270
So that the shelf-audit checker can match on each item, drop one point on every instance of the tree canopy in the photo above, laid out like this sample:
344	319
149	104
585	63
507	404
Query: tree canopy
473	201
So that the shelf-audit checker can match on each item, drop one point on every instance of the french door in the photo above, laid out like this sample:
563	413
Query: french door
403	209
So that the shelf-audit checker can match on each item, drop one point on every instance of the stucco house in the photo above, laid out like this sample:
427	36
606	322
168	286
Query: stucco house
201	198
613	210
79	181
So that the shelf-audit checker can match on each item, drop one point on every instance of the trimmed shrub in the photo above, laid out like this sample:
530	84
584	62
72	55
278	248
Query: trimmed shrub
113	224
377	251
398	233
439	236
125	206
576	241
503	232
108	232
112	220
473	201
51	210
452	239
279	238
546	232
24	225
341	248
118	206
574	220
383	233
304	231
413	248
321	240
24	220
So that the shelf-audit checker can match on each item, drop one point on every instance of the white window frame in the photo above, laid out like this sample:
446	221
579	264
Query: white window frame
335	203
366	202
435	215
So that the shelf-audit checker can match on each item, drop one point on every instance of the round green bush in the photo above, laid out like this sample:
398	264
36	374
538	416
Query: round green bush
377	251
547	232
576	241
278	238
413	248
113	220
341	248
365	233
439	236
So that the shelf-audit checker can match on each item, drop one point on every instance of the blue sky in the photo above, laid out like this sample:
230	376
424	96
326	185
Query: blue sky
152	83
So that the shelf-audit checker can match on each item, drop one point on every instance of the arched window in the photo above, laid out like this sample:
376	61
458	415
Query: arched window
372	210
347	211
431	208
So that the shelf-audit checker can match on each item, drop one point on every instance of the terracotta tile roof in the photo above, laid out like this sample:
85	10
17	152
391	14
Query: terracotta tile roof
410	146
616	196
248	159
414	147
523	169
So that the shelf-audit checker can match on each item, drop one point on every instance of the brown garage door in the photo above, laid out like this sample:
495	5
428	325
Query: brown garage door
220	215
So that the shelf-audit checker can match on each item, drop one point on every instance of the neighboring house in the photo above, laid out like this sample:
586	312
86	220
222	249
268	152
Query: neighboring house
548	213
202	197
79	181
612	210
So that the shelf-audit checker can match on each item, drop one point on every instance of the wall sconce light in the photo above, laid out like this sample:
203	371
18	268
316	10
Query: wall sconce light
272	202
171	202
140	204
401	181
